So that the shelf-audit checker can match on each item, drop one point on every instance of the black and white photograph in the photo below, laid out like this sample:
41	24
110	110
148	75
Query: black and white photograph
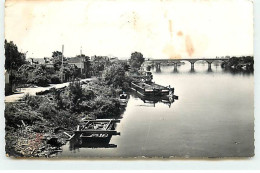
125	79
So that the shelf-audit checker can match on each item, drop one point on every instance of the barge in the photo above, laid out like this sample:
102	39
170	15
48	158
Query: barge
152	100
97	131
152	89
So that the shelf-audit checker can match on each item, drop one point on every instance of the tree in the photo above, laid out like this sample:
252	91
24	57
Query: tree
13	58
57	59
136	60
13	61
127	67
75	95
39	76
71	72
34	75
114	75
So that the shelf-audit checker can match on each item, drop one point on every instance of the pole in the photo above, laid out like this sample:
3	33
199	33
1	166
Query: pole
81	50
62	63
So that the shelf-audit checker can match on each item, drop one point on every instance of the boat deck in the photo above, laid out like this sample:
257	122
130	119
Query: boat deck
151	89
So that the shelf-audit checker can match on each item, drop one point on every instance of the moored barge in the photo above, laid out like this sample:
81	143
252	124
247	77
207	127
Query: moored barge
100	130
152	89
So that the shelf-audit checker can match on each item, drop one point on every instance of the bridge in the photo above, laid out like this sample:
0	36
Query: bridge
157	62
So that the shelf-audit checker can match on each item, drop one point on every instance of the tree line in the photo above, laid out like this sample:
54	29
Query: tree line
23	73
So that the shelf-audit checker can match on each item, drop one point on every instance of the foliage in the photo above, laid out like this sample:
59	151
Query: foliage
75	95
239	62
32	101
15	113
42	109
98	64
71	72
96	68
57	59
114	75
13	58
99	87
104	107
58	98
55	79
38	75
136	60
126	67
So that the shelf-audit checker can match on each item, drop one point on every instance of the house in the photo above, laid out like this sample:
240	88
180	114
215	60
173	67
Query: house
81	62
113	59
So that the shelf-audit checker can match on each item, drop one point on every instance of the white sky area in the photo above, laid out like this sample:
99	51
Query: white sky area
156	28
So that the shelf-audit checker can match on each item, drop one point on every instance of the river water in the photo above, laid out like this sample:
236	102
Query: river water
213	117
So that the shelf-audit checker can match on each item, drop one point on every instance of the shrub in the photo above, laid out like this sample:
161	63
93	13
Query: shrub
47	110
33	101
114	75
75	95
54	79
14	113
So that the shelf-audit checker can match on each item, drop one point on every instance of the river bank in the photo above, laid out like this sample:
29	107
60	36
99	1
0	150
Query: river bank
35	124
239	64
37	121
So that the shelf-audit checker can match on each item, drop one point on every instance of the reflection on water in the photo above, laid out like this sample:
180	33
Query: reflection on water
77	143
153	100
214	117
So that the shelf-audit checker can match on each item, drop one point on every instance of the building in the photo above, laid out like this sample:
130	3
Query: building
81	62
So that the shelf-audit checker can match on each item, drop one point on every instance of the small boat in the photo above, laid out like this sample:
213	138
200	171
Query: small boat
123	99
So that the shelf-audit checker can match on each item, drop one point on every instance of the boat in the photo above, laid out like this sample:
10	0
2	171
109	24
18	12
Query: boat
151	89
146	87
99	130
77	143
123	99
152	100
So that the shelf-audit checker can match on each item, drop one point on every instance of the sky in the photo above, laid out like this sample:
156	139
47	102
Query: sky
158	29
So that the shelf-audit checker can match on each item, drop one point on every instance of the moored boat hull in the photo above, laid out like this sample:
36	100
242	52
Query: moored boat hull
151	89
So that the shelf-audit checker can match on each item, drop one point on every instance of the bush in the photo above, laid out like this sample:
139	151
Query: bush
14	113
104	107
47	110
65	119
54	79
75	95
114	75
33	101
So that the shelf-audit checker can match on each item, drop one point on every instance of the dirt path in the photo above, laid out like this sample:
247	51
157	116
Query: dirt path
33	91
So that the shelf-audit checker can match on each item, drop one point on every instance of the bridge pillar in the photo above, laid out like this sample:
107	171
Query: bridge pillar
192	64
209	65
209	68
175	66
158	67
